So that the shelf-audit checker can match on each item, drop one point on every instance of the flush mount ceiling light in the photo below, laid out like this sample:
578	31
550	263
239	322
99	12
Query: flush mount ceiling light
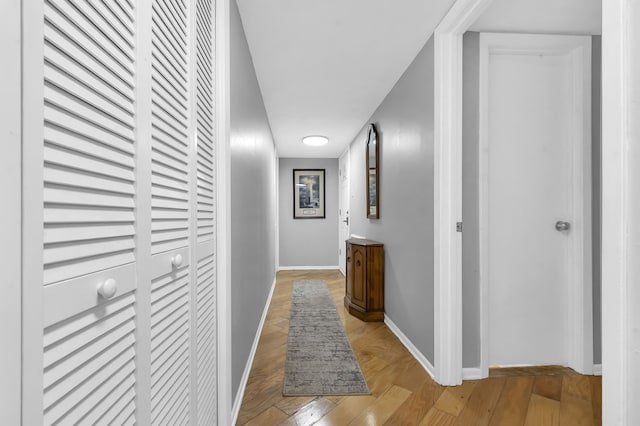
315	140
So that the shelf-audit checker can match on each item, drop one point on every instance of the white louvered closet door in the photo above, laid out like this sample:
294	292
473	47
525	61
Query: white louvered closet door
170	213
119	291
89	204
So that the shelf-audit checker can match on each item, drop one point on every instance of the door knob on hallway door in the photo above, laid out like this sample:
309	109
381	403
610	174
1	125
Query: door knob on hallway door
562	226
108	288
176	260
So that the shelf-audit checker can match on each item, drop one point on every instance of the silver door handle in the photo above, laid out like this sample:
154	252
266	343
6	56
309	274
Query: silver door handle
562	226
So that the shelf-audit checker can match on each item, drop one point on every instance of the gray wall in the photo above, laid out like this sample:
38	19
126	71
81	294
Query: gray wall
253	201
470	206
308	242
470	201
404	122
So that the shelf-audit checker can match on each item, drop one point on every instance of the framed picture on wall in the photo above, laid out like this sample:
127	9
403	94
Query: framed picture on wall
308	194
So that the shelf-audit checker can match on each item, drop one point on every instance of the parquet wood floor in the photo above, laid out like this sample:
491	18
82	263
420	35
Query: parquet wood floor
402	393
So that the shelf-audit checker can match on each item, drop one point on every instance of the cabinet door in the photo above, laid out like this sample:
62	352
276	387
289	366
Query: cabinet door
359	261
86	149
350	272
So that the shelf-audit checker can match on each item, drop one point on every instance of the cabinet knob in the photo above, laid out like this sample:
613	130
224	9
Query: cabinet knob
357	262
108	288
176	260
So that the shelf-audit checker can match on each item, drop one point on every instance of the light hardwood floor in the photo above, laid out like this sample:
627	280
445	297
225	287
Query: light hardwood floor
402	393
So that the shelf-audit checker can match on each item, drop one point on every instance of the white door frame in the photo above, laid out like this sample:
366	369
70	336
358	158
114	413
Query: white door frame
10	214
448	188
345	156
223	208
620	268
580	300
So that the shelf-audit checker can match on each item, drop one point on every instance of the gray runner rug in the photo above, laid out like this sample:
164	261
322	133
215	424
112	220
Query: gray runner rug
320	360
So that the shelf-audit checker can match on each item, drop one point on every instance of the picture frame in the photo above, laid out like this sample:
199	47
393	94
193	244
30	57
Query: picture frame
309	193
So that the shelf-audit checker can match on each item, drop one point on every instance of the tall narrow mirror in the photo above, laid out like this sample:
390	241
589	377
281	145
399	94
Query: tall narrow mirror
373	208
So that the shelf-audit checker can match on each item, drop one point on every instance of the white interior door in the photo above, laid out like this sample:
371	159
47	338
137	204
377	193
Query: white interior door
343	167
532	189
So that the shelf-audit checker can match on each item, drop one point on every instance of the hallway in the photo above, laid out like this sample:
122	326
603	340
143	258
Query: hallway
402	392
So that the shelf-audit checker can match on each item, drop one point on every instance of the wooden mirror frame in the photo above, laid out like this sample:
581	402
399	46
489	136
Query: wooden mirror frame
373	211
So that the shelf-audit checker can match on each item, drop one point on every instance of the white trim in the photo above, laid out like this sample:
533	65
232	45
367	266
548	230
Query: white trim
358	236
579	308
143	211
620	339
472	373
32	211
424	362
597	369
306	268
344	158
223	210
277	236
247	368
448	188
10	215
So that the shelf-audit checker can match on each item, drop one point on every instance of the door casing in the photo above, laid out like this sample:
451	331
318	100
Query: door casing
344	199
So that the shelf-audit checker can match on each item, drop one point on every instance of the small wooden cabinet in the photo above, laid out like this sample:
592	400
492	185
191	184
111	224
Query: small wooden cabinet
364	296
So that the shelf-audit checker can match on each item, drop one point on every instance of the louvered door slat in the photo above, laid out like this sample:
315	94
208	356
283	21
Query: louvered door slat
170	190
83	371
170	345
75	395
90	168
56	214
206	340
66	101
121	410
87	179
118	22
112	29
85	59
106	40
64	234
68	120
78	361
104	57
60	78
93	150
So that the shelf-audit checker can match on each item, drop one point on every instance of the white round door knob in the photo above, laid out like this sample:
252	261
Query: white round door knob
108	288
176	260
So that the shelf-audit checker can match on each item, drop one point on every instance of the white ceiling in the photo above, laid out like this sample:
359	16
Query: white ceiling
542	16
324	66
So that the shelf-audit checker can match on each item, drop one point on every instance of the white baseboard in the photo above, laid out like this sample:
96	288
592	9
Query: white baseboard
424	362
247	369
472	373
597	369
305	268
